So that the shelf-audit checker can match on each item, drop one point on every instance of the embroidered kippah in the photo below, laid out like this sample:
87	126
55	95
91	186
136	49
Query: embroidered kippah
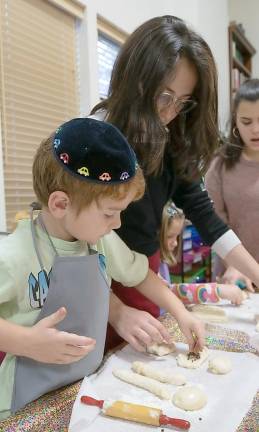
94	150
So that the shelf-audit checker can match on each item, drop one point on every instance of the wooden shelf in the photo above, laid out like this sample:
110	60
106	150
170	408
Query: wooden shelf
241	67
241	52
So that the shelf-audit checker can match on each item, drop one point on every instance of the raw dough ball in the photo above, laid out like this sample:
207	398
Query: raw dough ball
190	398
209	313
165	375
244	295
192	361
161	349
220	365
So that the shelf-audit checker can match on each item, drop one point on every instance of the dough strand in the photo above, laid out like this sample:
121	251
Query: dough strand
160	390
165	376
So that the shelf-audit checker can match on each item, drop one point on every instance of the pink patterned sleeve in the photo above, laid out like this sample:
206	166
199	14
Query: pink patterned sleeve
196	293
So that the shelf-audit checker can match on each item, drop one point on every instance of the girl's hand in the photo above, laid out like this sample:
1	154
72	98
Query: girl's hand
46	344
194	331
231	292
232	276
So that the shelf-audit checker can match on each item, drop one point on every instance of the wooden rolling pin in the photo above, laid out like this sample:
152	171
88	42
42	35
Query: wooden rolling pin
136	413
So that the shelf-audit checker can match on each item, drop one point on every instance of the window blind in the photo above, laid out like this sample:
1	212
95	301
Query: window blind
38	88
110	39
107	53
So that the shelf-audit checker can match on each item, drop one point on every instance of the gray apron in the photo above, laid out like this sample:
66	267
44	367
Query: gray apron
78	283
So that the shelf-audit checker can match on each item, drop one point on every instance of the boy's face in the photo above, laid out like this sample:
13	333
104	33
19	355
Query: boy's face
96	220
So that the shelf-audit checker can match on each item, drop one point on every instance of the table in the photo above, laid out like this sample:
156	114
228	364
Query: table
51	413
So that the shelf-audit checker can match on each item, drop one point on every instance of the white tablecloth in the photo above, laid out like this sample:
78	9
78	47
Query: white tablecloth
229	396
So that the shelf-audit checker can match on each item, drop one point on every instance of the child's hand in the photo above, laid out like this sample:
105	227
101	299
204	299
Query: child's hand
194	331
139	328
232	276
231	292
46	344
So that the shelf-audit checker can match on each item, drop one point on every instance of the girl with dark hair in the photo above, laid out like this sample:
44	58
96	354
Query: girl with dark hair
163	97
233	178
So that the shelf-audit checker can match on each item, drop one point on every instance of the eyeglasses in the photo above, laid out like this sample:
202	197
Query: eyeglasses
166	100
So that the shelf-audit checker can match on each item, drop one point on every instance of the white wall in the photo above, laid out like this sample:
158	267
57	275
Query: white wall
247	13
212	23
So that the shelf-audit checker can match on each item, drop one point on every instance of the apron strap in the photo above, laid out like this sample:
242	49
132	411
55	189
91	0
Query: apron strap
46	231
35	206
33	233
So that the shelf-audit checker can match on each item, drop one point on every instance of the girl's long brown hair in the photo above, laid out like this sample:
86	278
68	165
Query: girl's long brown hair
232	147
143	66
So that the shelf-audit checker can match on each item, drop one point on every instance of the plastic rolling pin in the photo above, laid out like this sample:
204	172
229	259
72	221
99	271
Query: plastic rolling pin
136	413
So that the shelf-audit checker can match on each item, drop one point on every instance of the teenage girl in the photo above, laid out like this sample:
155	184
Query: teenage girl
232	180
163	97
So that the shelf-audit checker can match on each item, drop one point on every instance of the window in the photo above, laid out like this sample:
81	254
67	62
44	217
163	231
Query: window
110	39
107	53
38	88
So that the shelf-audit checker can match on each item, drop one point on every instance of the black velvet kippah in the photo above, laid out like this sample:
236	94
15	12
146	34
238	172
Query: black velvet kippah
94	150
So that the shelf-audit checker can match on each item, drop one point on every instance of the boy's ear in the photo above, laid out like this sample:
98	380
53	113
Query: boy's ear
58	204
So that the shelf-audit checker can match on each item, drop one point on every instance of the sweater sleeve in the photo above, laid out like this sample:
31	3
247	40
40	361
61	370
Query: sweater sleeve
140	224
193	198
213	183
196	293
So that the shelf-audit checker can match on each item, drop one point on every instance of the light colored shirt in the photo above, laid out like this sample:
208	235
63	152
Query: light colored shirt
235	193
19	266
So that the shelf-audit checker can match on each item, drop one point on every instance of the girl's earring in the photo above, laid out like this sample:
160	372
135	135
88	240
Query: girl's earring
235	132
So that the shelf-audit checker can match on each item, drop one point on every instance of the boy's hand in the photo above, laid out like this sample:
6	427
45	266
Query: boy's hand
194	331
139	328
231	292
46	344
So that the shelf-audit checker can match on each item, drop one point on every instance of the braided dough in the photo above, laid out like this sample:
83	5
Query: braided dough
164	376
160	390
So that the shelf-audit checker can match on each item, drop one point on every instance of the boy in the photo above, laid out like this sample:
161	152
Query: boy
54	287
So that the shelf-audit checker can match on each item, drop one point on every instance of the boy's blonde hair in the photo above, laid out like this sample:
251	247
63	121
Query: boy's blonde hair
170	213
50	176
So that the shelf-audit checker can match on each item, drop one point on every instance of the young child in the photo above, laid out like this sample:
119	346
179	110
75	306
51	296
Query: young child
171	228
232	180
54	283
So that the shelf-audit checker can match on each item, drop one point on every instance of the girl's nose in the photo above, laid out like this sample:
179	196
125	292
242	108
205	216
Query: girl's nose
255	127
173	244
170	115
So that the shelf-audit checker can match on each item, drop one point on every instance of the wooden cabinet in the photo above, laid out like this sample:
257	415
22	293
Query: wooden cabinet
241	52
